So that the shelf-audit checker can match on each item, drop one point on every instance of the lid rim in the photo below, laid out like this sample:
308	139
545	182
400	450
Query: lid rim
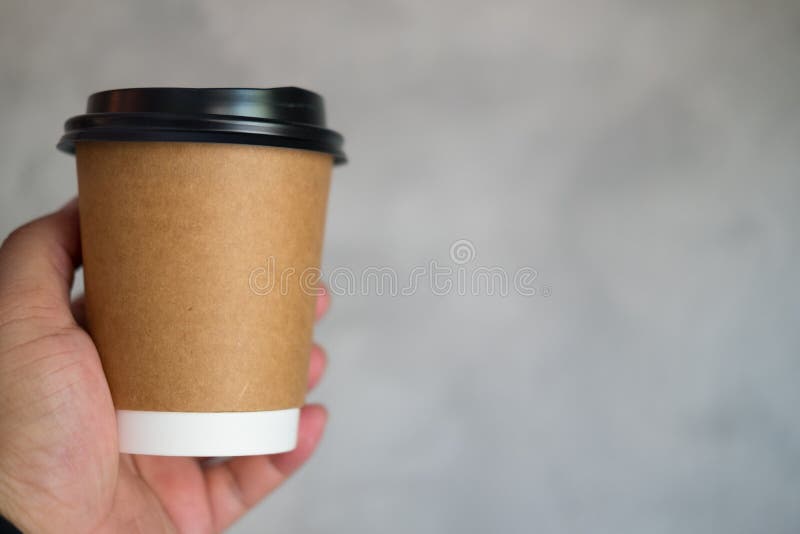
68	141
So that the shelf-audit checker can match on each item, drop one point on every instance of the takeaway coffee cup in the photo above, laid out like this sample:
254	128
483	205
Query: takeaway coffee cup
202	215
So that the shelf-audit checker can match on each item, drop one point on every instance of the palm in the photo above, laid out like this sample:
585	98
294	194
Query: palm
58	440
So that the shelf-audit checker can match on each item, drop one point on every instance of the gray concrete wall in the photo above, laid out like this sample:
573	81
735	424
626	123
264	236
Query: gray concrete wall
643	157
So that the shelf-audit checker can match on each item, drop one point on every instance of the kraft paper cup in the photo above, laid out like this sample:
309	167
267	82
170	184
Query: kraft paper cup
201	236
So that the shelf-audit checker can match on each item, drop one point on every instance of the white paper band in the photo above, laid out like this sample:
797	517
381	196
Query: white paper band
207	434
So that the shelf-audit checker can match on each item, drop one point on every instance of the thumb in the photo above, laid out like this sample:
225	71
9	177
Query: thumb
37	265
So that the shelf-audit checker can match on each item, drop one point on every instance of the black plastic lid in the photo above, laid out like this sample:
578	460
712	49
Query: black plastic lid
281	116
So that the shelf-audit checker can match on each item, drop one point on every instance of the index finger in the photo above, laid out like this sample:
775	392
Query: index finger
37	264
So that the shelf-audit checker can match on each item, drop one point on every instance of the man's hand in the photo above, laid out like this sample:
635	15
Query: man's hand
60	467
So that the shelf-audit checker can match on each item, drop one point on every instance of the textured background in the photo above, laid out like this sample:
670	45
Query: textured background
642	156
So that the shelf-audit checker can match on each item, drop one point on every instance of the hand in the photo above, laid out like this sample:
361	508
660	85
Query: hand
60	466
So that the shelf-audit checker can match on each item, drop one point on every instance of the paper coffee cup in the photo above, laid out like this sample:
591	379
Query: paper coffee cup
202	216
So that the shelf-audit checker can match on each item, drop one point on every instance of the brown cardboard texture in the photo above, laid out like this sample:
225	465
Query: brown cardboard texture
172	234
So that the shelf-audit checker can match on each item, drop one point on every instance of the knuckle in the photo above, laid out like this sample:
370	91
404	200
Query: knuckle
23	301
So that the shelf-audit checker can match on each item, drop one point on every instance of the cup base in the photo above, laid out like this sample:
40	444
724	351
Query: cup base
207	434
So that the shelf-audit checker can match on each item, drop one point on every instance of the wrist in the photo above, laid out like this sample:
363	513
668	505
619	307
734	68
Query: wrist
12	519
31	511
7	526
